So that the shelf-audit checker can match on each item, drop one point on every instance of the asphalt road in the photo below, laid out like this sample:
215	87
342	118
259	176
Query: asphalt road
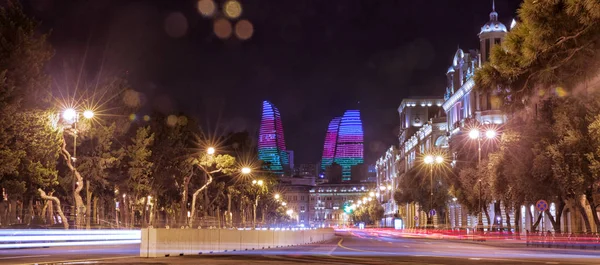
354	248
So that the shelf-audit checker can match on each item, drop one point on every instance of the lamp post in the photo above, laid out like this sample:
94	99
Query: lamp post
475	134
71	116
258	183
431	160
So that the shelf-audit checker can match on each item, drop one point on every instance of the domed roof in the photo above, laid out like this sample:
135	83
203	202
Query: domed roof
493	25
458	56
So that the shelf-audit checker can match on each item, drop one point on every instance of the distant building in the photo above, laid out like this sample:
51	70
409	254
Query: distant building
330	143
304	170
327	201
296	196
358	173
333	173
372	174
387	181
344	143
423	129
291	160
271	143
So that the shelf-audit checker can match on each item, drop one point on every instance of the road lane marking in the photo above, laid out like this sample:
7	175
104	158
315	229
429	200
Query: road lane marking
355	249
21	257
81	260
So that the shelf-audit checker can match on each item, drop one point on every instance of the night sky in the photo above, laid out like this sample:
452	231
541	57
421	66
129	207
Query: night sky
312	58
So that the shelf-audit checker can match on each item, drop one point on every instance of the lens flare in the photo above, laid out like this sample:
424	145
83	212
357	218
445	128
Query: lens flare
232	9
206	7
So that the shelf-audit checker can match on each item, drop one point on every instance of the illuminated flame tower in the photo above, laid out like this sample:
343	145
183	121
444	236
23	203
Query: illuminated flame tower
344	143
271	144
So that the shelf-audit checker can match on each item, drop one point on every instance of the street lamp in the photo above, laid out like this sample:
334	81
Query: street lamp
476	135
246	170
88	114
211	150
431	160
69	114
259	183
277	196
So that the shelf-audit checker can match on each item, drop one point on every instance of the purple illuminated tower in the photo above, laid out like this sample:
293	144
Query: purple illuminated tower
344	142
330	143
271	144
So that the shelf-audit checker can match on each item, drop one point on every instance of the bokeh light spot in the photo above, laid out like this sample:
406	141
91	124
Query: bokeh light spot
206	7
146	118
561	92
131	98
172	120
132	117
176	25
182	120
232	9
244	29
222	28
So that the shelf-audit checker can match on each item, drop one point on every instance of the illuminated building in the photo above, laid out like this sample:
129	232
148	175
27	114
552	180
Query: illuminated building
330	143
344	143
271	144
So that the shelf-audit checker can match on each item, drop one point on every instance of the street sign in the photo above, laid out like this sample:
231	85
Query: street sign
416	218
432	212
541	205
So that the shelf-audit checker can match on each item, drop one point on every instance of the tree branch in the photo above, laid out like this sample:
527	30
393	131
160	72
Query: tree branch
58	207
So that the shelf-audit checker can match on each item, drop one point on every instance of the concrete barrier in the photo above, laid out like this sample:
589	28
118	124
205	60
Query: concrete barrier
161	242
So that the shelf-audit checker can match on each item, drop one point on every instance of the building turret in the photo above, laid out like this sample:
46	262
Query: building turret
491	34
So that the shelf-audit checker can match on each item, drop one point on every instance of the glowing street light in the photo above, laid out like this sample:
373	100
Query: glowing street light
246	170
277	196
389	187
490	134
211	150
70	114
88	114
259	182
290	212
474	134
283	203
371	194
431	160
382	188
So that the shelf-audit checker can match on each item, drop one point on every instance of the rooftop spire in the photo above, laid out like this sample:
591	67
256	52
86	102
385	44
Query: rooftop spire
493	14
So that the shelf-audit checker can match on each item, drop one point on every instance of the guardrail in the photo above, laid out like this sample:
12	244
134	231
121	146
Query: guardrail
34	238
161	242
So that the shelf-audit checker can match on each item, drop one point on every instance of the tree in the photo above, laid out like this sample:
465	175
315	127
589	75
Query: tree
555	44
24	91
415	187
210	165
140	168
173	158
369	213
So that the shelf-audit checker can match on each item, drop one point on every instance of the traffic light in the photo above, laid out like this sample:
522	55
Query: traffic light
348	208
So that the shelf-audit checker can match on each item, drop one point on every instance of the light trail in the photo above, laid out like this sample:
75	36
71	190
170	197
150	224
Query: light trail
69	244
11	232
52	238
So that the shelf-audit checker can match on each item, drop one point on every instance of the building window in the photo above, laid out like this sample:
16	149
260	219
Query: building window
497	41
302	198
295	198
302	208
